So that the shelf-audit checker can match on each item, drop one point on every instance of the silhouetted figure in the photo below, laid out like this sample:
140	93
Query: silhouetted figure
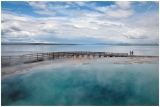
132	52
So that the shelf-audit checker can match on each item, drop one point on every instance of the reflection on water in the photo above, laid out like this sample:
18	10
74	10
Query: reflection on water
89	84
23	49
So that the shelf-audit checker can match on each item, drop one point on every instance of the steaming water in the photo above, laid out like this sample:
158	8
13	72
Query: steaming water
27	49
96	83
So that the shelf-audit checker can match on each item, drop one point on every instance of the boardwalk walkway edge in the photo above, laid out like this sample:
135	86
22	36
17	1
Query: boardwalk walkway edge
30	58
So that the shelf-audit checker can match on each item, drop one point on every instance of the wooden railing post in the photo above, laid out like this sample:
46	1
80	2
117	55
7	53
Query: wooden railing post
53	55
10	60
37	56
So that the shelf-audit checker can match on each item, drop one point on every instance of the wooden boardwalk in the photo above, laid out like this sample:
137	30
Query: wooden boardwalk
30	58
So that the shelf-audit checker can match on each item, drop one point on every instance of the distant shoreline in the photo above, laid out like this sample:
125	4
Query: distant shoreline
35	44
118	44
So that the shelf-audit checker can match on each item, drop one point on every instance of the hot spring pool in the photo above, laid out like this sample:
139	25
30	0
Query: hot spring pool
84	84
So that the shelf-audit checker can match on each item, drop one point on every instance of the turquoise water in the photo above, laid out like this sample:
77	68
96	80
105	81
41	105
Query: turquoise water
84	84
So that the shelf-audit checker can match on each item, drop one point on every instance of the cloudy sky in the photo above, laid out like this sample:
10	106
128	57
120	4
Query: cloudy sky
80	22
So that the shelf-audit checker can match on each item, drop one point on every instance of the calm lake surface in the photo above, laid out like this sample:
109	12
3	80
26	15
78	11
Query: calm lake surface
27	49
96	83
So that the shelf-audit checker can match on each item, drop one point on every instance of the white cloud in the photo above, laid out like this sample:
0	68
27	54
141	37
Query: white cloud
41	7
118	10
136	34
110	26
102	9
119	13
80	3
38	4
124	4
45	12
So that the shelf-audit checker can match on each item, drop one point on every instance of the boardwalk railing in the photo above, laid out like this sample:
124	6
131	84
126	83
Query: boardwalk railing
29	58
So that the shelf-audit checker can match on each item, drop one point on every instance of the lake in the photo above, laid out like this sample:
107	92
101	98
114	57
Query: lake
27	49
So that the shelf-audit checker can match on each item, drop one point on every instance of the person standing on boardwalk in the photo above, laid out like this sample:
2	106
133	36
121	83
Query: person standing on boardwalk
130	52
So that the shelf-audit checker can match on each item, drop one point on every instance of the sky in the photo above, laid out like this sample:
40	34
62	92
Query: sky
81	22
